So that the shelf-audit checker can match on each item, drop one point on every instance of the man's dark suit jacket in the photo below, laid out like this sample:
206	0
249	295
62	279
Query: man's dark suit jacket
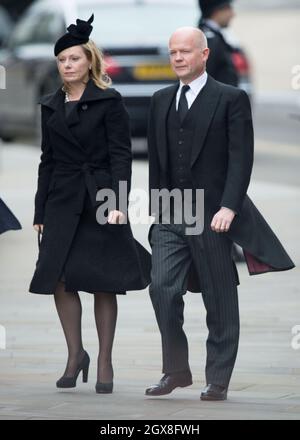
221	164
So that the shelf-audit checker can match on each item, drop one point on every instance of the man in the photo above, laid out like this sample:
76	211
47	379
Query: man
216	15
201	136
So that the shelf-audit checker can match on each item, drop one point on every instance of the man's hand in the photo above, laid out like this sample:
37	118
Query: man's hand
116	217
222	220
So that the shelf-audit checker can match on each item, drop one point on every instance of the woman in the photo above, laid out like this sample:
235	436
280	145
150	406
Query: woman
85	147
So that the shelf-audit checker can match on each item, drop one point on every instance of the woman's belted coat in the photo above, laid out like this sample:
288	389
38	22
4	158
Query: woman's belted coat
87	151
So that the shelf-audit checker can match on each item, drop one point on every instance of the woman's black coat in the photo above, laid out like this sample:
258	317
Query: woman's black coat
89	150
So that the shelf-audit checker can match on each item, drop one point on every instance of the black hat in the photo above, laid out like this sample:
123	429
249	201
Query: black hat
78	34
209	6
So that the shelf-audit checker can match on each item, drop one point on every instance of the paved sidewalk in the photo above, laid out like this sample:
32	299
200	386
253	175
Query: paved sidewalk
266	380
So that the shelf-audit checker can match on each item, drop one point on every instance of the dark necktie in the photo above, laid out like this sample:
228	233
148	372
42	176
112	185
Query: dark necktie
183	107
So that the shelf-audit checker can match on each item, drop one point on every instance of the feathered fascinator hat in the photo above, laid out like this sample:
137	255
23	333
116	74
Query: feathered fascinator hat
77	34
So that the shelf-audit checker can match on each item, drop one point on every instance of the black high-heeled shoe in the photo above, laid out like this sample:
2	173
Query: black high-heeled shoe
104	388
70	382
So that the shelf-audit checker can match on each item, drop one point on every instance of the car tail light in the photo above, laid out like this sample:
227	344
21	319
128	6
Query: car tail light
112	67
241	63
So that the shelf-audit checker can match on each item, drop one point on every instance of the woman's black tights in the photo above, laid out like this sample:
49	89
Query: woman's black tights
69	310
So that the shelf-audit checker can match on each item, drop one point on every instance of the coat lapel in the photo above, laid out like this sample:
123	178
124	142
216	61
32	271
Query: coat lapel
161	118
91	93
58	122
208	102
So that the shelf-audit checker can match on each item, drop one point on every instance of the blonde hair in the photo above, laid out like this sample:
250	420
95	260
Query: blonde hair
98	70
98	66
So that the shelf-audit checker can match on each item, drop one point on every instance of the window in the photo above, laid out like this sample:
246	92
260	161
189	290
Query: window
38	28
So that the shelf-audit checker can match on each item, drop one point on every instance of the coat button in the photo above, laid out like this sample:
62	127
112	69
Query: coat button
84	107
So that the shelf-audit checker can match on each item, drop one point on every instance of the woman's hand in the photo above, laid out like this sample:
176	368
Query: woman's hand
116	217
38	227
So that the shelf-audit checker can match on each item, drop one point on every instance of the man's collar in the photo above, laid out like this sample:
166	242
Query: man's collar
197	84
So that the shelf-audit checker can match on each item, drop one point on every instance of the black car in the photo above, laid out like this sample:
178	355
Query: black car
132	33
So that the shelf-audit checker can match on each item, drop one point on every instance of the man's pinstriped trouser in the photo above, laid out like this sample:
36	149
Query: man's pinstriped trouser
172	255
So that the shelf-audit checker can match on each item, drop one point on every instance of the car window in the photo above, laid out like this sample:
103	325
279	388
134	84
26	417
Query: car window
139	23
42	27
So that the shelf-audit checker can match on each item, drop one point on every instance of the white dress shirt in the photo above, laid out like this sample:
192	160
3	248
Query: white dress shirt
195	88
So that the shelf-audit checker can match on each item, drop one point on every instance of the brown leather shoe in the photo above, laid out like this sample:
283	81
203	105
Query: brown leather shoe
214	392
169	382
